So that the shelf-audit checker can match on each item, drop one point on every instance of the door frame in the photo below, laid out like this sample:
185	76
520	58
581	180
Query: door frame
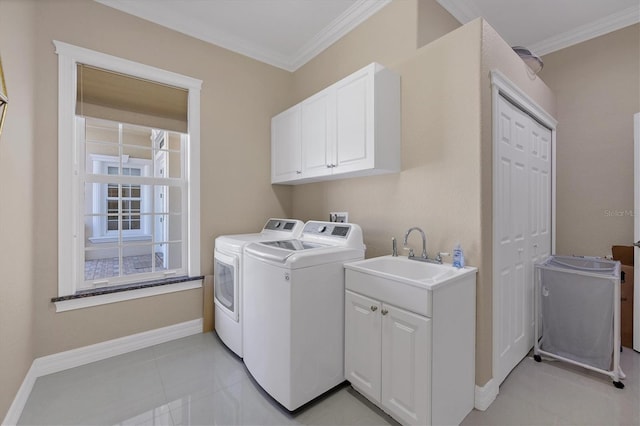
502	86
636	231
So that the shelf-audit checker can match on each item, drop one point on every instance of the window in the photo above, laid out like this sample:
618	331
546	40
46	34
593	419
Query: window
107	199
128	172
129	198
133	210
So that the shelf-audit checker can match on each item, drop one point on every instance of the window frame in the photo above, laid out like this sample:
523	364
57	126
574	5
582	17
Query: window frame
70	206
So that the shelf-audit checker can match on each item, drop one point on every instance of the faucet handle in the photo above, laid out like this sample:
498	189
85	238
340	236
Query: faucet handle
411	254
440	255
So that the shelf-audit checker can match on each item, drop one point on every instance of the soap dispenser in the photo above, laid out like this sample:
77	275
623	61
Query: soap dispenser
458	256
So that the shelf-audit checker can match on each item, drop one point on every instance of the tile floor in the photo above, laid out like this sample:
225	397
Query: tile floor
197	381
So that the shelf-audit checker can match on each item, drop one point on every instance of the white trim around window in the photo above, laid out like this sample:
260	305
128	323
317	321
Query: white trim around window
70	158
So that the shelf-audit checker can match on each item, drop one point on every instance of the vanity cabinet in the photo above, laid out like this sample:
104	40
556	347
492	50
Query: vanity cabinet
351	128
413	357
388	354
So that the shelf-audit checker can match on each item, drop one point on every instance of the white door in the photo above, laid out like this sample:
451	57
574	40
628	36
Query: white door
362	344
318	120
522	229
355	122
636	270
285	145
406	364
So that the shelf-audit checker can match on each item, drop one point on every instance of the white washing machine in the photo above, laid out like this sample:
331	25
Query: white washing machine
294	310
228	288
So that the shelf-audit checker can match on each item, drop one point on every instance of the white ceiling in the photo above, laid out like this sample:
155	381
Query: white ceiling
289	33
544	26
283	33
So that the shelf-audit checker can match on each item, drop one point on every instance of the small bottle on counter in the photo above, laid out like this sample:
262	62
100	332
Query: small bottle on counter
458	256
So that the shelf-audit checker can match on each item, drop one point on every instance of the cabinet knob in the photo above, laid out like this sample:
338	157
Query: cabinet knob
384	312
298	172
374	308
328	166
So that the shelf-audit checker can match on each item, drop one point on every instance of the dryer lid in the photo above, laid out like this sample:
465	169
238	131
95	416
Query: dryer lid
293	245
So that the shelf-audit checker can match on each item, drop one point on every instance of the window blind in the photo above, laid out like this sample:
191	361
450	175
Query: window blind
126	99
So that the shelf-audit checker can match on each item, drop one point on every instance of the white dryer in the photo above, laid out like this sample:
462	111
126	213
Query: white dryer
294	310
228	288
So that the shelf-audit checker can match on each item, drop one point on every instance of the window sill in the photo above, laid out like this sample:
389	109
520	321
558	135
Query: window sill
109	239
104	296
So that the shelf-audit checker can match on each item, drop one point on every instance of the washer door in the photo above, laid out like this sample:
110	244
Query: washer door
226	273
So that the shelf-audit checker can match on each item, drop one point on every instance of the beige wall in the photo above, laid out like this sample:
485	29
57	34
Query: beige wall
239	96
496	55
389	36
445	185
598	87
17	144
439	186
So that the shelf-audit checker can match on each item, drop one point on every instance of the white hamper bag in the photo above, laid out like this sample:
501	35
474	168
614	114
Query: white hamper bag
577	308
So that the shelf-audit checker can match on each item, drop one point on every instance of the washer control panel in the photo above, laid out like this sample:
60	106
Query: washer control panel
328	229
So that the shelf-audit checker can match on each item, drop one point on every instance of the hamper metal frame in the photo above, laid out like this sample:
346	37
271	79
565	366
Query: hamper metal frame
616	372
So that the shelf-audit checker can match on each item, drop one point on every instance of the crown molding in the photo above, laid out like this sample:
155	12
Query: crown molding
360	11
602	26
463	11
342	25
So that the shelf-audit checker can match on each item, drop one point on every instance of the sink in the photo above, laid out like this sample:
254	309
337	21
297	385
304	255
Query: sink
405	283
409	271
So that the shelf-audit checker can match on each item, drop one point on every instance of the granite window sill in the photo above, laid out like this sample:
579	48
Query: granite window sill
105	295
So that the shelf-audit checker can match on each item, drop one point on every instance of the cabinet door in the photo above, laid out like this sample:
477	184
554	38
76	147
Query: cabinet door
318	133
406	365
285	146
355	122
362	344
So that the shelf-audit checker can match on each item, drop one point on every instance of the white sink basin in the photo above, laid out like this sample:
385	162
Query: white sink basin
402	282
409	271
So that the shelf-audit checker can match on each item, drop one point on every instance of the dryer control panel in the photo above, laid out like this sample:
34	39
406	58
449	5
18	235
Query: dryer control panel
281	225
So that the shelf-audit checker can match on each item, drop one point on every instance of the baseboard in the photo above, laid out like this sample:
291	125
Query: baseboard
485	395
15	410
76	357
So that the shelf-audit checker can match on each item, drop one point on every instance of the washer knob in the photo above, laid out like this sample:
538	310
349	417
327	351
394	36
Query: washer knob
322	228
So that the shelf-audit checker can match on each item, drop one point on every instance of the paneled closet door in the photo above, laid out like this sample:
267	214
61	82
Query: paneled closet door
539	195
522	235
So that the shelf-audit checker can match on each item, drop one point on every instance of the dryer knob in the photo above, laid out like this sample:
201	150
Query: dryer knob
322	228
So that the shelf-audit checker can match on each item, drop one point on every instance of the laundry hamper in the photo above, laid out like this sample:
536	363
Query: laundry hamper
577	313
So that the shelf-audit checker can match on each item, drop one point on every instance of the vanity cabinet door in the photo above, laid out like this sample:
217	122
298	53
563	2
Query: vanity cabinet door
406	365
362	344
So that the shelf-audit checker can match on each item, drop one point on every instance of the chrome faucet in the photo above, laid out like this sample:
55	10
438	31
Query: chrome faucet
424	257
424	243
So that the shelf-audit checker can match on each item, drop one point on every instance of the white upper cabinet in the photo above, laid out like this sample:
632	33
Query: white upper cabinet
318	137
286	154
351	128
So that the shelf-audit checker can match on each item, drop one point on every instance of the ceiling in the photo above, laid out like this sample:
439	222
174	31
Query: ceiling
289	33
544	26
283	33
